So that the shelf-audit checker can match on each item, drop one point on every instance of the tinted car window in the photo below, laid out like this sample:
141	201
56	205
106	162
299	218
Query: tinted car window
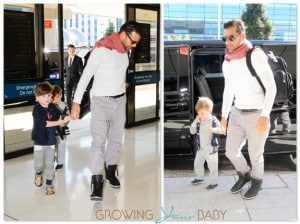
176	81
175	70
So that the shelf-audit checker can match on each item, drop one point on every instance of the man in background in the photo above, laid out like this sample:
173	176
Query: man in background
74	67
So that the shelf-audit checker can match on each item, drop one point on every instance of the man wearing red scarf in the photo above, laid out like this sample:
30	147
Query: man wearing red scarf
248	105
108	63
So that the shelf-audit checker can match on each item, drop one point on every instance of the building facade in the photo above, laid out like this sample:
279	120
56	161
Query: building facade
205	21
87	29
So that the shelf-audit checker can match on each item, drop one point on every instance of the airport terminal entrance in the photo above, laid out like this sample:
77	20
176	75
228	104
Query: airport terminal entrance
36	37
143	72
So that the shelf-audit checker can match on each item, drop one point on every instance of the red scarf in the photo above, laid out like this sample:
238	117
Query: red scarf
238	53
112	42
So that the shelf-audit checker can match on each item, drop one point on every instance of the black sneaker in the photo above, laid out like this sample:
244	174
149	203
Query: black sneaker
59	166
243	179
111	177
96	187
253	190
211	186
196	181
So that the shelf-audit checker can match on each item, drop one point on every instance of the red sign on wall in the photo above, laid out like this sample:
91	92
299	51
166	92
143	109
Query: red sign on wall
48	24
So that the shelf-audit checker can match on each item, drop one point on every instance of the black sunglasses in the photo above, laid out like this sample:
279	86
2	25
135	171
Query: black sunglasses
132	41
231	38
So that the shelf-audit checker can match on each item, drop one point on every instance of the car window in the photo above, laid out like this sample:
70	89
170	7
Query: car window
176	81
175	70
211	62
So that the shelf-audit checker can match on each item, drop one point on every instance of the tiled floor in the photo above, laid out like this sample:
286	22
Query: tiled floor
139	197
276	202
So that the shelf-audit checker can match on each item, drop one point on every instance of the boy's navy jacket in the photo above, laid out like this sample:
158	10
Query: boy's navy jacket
40	133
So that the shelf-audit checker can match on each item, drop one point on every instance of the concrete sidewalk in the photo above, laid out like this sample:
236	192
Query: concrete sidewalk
276	202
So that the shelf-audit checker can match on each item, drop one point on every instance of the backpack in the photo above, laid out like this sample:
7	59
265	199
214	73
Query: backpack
283	79
85	105
215	140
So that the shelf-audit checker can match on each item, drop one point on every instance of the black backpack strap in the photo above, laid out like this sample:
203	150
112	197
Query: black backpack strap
251	68
215	142
198	128
197	138
214	123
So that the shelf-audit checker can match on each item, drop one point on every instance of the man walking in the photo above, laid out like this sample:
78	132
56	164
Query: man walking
249	115
108	63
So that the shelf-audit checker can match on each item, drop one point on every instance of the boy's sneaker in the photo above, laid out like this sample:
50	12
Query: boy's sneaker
38	180
196	181
59	166
211	186
50	190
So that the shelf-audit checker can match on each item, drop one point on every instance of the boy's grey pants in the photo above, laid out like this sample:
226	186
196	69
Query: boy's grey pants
203	155
107	128
44	160
242	127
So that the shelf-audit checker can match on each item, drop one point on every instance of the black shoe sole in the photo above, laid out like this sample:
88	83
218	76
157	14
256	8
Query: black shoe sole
196	183
212	187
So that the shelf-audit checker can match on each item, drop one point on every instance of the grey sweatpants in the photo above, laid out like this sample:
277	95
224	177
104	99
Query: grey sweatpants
44	160
242	127
203	155
107	128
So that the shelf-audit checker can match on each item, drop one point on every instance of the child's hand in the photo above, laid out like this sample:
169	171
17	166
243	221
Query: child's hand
210	130
66	119
197	119
62	122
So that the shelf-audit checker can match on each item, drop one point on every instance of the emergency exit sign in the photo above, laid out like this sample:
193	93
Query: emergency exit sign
48	24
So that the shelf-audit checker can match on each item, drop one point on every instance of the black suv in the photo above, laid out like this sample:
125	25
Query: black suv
194	68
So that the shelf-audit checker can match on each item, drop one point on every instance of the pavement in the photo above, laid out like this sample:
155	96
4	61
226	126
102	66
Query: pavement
185	202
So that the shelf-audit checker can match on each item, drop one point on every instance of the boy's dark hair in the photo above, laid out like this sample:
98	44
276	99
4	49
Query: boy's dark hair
56	90
237	23
42	89
131	26
71	46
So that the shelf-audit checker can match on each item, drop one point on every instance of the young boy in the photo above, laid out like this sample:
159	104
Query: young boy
203	127
62	131
46	117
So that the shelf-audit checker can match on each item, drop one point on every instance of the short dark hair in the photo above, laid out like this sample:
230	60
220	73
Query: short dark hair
71	46
237	23
131	26
42	89
56	90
